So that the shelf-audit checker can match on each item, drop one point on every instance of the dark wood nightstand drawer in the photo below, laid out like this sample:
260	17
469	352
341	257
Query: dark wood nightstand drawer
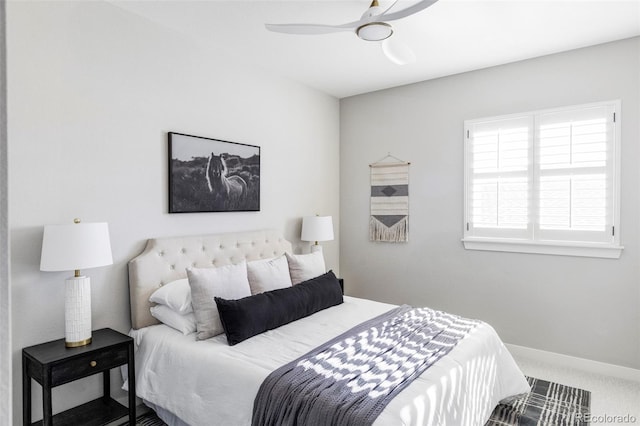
87	364
52	364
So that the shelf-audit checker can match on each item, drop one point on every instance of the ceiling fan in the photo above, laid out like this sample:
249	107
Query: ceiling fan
372	26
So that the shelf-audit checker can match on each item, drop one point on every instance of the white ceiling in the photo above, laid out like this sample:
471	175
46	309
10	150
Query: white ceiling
450	37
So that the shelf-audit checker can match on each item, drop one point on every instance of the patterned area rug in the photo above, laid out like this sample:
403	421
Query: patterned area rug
549	404
148	419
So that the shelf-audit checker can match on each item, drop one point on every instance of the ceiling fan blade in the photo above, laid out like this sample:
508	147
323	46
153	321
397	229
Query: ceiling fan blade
398	52
311	29
421	5
390	7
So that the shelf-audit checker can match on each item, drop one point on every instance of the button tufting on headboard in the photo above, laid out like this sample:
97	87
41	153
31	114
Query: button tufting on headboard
165	259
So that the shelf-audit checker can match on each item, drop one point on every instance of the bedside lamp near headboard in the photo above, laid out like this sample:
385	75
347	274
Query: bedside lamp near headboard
75	247
317	228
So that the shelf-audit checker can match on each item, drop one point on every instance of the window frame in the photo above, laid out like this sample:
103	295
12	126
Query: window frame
501	241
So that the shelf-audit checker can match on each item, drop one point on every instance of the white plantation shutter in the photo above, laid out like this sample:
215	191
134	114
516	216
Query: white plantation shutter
575	174
543	178
499	160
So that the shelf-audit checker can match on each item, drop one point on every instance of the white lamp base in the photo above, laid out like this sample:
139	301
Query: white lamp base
77	312
315	248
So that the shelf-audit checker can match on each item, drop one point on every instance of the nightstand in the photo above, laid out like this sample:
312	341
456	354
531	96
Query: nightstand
52	364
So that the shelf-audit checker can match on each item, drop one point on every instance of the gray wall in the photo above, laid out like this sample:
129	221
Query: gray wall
93	92
5	292
584	307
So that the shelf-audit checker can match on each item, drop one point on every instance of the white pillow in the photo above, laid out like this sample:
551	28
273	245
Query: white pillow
186	324
303	267
268	274
176	295
228	282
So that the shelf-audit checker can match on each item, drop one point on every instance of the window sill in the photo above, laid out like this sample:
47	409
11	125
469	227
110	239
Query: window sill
606	251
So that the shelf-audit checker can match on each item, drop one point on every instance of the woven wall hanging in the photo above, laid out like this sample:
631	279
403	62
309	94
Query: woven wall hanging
389	220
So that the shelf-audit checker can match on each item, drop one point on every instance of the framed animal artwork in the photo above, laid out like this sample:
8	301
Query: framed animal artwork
212	175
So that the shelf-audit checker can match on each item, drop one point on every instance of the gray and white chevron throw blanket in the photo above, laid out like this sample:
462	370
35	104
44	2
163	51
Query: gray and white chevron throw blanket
351	378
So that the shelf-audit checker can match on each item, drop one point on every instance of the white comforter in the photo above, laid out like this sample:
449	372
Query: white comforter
210	383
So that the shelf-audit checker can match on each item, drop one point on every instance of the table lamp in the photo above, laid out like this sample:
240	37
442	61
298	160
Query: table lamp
317	228
74	247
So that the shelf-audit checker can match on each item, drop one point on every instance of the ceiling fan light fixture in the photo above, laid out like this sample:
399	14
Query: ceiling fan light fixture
374	31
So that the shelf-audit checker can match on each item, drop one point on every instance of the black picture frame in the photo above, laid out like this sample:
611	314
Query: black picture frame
212	175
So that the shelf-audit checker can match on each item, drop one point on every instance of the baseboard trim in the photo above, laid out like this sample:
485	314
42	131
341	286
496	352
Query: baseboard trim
581	364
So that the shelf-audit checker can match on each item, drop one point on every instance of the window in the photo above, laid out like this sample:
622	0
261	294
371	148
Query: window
544	182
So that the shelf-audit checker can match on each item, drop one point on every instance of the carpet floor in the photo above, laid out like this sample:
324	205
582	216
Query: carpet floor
548	404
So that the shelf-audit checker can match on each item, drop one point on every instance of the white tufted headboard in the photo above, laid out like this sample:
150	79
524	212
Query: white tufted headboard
166	259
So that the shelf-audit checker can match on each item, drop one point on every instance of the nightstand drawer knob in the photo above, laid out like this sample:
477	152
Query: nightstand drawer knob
93	363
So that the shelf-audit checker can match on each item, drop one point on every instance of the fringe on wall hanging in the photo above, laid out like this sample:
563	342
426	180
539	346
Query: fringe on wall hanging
389	220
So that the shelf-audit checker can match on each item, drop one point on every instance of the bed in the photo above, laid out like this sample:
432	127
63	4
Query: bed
208	382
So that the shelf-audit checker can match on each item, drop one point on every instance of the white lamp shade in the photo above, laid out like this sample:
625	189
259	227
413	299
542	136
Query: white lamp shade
76	246
317	228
